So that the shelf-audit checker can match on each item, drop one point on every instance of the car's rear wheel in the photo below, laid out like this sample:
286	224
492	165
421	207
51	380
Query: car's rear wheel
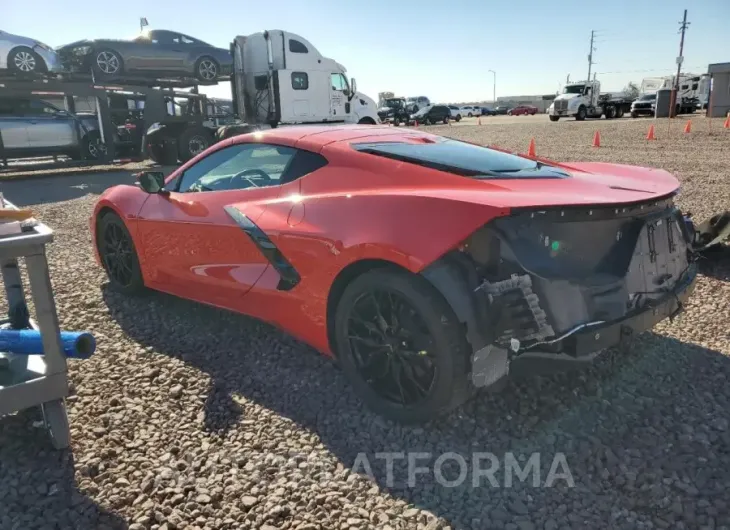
107	63
118	254
92	147
192	142
401	346
25	61
554	118
207	70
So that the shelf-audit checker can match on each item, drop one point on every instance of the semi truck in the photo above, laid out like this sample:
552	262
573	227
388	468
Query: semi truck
583	99
279	79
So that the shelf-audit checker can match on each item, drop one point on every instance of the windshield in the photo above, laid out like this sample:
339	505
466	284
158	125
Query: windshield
574	89
647	97
412	100
461	158
393	102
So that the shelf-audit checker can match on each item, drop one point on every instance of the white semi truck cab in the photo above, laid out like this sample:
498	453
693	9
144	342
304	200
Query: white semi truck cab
280	78
583	99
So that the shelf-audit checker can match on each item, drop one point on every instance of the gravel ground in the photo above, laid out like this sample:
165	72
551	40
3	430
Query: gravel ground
190	417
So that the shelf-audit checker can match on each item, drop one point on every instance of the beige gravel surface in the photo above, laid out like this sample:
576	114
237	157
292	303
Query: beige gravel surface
191	417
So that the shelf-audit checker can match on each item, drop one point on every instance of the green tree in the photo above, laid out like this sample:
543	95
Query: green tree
632	90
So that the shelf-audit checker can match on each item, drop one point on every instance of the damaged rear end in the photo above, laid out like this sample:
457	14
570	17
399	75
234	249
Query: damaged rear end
544	288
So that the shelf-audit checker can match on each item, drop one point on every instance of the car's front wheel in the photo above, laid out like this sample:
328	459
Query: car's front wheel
118	254
107	63
401	346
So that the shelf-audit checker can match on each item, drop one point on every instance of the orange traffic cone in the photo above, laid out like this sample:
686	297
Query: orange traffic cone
531	149
650	134
688	127
597	139
726	125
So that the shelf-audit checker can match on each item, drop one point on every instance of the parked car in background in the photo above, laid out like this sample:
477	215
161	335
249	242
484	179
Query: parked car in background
522	109
431	115
502	109
487	111
471	111
455	112
156	53
31	127
23	55
644	105
416	103
393	111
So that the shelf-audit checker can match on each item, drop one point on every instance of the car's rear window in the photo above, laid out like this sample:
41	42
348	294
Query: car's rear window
461	158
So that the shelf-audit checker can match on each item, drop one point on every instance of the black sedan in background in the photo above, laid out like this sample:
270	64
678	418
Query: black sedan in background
486	111
157	53
502	109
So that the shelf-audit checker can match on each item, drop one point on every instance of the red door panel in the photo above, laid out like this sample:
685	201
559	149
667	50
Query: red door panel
193	248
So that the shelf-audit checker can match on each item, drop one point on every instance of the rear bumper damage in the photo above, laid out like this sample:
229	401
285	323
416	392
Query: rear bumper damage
548	290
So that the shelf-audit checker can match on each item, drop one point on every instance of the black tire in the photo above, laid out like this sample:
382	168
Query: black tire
634	114
193	141
396	121
207	70
470	115
448	352
446	120
118	254
106	62
620	112
91	146
610	113
458	118
554	118
23	60
581	114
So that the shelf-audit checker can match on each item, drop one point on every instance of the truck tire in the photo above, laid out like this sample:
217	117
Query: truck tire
554	118
581	114
634	114
193	141
610	112
620	112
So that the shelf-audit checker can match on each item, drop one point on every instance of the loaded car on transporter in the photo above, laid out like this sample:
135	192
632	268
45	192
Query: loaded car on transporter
539	261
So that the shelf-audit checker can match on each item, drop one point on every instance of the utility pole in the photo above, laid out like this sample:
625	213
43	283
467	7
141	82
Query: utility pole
590	56
494	88
680	59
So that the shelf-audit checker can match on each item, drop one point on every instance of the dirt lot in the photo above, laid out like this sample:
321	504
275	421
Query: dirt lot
189	417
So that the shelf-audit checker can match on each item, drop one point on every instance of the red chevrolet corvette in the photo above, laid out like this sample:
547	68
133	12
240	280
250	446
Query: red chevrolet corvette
427	266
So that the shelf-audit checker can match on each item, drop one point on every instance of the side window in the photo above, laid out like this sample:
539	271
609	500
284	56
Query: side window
304	162
187	40
339	82
39	108
299	80
238	167
297	47
9	107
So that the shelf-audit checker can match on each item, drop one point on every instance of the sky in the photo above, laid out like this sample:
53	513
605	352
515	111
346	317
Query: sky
442	50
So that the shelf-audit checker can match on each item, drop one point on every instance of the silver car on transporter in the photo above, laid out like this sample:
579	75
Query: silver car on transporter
22	55
30	127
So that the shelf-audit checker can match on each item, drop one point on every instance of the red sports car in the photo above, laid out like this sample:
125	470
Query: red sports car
427	266
523	109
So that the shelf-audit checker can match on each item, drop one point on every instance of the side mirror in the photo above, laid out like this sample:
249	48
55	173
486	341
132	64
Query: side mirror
353	84
151	181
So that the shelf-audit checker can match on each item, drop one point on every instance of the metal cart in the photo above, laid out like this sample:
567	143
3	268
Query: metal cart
33	380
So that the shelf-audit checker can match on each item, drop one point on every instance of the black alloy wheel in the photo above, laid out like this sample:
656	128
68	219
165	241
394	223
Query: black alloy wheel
401	346
118	255
392	347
